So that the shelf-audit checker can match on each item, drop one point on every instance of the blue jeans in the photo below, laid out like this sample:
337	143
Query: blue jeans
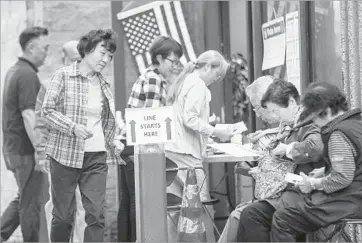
92	184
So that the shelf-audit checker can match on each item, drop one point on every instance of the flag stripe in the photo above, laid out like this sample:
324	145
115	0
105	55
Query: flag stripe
148	58
170	21
185	33
160	22
182	41
145	60
139	9
172	26
165	20
140	63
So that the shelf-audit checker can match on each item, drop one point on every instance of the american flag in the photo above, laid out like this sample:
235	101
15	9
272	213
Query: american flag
142	24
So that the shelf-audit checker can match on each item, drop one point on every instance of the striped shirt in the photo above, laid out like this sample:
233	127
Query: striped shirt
149	90
65	106
342	156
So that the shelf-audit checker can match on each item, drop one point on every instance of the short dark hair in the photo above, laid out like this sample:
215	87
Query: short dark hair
320	96
89	41
279	92
31	33
164	45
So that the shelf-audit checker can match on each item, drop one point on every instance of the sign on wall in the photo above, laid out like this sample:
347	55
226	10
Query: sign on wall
150	125
293	53
273	43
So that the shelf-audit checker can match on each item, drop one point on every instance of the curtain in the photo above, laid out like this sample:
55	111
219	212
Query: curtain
351	41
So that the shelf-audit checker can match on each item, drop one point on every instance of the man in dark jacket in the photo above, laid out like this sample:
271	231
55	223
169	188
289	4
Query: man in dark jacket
301	144
336	191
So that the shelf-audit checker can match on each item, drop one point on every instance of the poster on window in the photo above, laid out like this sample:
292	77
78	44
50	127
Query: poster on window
292	40
273	43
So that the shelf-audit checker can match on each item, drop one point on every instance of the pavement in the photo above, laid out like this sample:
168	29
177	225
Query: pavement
9	189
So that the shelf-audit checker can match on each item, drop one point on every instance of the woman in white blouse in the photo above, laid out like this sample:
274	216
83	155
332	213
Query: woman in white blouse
190	99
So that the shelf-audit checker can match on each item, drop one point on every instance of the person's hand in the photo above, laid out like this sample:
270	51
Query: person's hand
43	166
254	170
82	131
213	120
223	134
118	145
254	137
317	173
304	185
280	150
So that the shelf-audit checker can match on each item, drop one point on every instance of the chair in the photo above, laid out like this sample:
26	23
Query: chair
174	201
339	230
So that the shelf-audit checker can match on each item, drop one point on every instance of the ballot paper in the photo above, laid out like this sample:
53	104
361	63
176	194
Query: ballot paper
235	149
292	178
236	127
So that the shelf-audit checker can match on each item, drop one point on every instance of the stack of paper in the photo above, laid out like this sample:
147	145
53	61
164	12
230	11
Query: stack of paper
236	150
235	128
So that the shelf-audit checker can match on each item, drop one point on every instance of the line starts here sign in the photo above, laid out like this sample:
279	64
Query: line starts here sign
150	125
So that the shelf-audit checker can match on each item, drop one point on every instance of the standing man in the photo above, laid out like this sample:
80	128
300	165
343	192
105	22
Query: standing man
79	109
19	98
70	54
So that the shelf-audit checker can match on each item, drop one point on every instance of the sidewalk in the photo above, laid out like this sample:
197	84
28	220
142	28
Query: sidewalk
9	190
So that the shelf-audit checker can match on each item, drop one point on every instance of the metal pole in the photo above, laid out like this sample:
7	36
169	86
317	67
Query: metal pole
150	183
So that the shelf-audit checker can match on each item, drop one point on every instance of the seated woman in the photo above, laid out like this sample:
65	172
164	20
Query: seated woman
260	139
336	193
190	99
301	144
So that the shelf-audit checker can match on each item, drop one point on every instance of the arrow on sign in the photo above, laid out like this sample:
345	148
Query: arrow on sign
133	130
168	127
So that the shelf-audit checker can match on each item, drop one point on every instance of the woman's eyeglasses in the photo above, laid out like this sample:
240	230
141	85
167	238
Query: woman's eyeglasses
174	63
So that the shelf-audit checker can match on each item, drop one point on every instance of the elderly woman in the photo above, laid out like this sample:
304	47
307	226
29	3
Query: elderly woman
261	140
79	109
336	191
255	92
301	145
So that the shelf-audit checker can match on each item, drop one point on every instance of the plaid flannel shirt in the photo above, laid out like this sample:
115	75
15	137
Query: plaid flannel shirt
65	106
149	90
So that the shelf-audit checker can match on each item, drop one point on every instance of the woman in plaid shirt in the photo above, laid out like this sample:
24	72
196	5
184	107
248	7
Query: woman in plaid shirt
79	109
149	90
